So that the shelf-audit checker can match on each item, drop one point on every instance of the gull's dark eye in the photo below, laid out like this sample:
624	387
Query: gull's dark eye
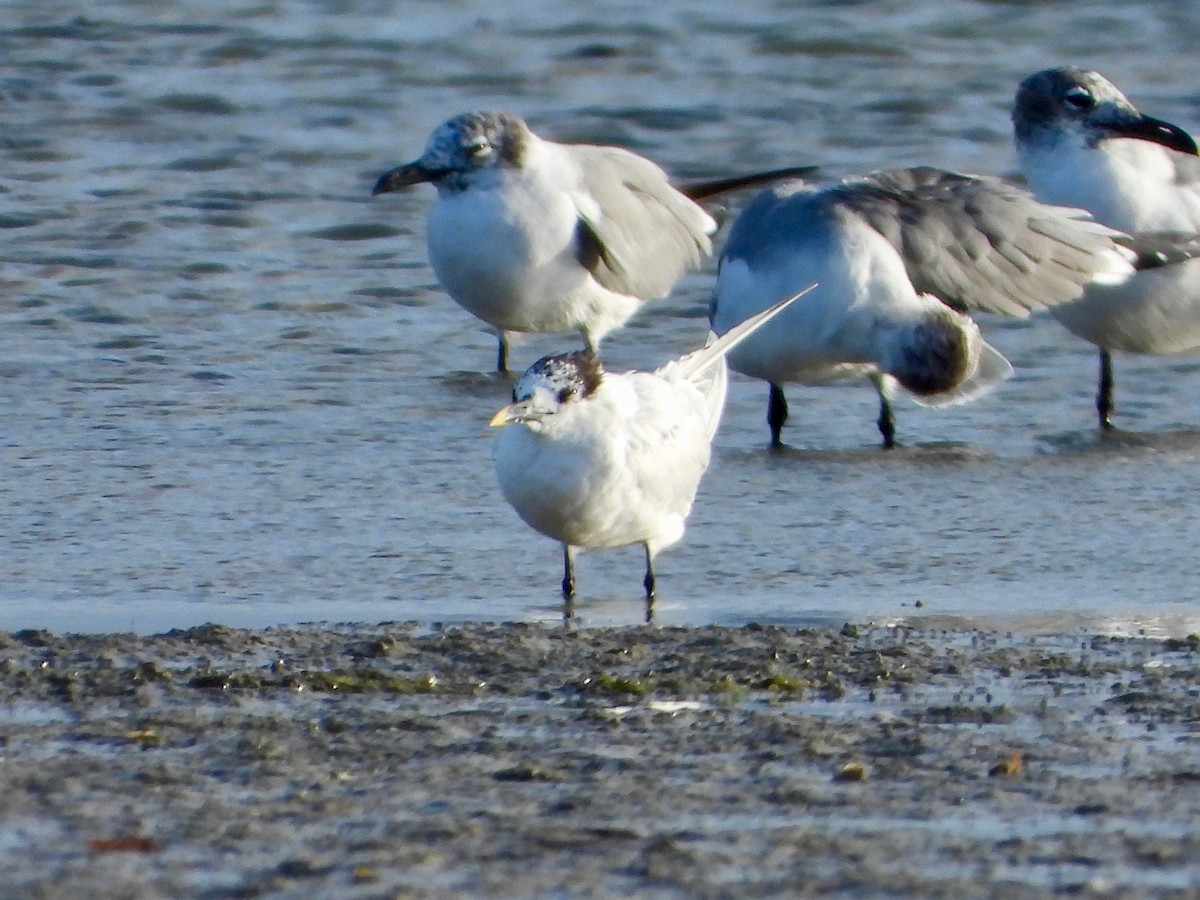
566	394
1079	98
477	148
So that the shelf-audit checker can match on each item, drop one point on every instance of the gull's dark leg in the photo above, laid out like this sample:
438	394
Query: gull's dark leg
887	424
568	582
502	354
886	421
777	413
648	581
1104	396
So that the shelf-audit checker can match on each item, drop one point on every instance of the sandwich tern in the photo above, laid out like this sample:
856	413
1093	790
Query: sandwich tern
1082	143
597	459
531	235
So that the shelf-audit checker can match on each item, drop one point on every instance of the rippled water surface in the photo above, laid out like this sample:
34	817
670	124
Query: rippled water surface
231	389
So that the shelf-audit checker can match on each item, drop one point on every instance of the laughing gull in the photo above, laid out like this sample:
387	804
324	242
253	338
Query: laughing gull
899	258
530	235
595	459
1082	143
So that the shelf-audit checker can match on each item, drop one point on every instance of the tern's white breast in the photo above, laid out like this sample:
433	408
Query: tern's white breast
621	467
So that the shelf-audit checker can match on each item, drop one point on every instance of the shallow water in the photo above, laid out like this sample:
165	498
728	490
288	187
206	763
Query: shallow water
231	389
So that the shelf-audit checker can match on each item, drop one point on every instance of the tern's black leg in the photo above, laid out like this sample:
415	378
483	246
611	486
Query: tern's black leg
777	413
1104	396
886	421
568	582
502	354
648	581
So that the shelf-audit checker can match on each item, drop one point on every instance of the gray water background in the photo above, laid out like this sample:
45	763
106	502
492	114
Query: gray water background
231	390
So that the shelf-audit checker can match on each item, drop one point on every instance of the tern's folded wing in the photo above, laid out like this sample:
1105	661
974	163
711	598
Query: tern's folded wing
669	441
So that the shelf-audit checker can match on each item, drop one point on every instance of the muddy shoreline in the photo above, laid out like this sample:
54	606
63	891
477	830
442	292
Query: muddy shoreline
521	760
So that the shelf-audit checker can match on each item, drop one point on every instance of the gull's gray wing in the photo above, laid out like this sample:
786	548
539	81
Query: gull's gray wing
638	235
979	243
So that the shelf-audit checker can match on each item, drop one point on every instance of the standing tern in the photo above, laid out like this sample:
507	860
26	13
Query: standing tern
530	235
598	459
1082	143
899	258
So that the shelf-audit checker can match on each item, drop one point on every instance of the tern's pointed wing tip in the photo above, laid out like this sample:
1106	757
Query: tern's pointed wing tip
696	362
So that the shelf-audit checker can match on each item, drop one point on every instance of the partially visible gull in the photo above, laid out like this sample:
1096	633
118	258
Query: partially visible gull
1082	143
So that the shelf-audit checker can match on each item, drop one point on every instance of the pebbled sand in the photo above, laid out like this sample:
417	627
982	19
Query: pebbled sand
519	760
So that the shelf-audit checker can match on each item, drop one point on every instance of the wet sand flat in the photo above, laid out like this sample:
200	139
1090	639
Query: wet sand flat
521	760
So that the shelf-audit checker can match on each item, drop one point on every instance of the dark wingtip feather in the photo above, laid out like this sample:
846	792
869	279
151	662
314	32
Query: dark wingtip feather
1161	248
702	190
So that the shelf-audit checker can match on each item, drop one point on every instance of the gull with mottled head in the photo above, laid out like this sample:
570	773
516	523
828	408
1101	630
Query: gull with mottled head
597	459
901	257
1082	143
535	236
